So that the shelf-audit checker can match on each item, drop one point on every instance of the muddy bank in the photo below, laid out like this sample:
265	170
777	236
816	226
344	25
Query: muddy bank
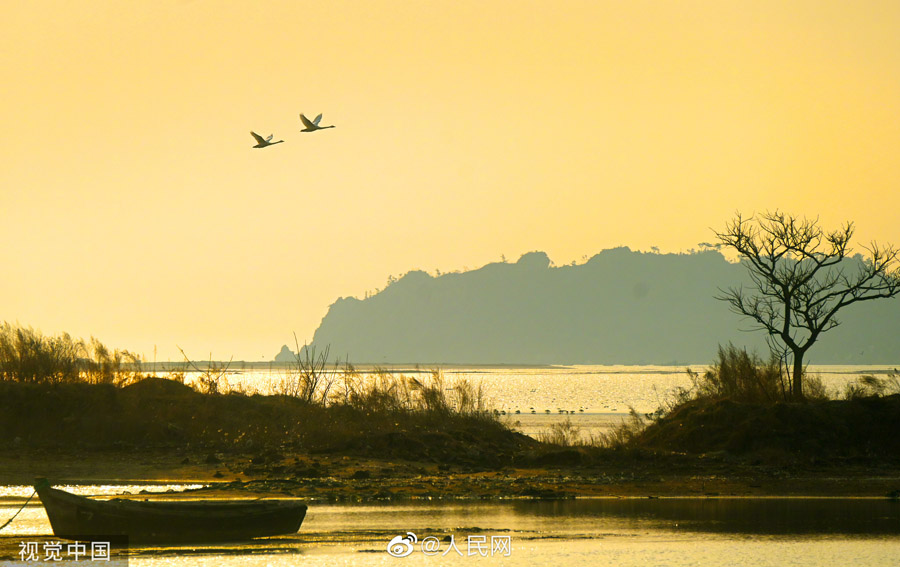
349	478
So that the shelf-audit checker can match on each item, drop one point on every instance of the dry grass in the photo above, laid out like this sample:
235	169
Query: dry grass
562	434
311	375
740	376
623	435
868	386
384	415
28	356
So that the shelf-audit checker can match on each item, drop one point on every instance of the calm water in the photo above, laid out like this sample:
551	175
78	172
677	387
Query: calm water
622	532
594	398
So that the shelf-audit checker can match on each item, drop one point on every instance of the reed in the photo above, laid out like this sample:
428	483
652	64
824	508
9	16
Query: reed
26	355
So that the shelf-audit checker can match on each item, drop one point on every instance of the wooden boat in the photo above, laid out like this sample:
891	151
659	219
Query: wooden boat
79	518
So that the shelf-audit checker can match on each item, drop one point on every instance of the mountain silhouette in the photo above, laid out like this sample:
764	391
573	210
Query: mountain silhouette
619	307
285	355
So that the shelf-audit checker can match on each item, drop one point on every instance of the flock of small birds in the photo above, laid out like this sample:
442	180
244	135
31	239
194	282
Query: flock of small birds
308	126
558	410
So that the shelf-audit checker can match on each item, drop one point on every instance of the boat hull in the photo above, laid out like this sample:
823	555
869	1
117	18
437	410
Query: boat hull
80	518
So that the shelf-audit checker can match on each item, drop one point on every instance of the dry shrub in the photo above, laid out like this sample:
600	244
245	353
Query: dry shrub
563	434
741	376
624	434
310	376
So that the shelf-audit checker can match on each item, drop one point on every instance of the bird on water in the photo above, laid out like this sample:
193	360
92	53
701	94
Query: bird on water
312	125
263	142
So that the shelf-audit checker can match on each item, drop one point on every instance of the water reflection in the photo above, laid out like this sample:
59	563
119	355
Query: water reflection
764	516
573	518
621	532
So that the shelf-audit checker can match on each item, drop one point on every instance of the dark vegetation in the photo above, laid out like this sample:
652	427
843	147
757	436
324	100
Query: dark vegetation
742	376
53	396
821	429
157	413
740	407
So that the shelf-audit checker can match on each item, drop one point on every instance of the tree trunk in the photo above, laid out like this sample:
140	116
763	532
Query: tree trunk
797	381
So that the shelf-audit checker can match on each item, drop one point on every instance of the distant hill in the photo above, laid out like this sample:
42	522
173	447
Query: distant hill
285	355
620	307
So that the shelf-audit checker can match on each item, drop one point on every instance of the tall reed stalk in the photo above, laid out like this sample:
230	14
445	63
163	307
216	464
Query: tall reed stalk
26	355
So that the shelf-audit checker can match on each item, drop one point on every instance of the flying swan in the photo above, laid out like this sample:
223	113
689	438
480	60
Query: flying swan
312	125
262	143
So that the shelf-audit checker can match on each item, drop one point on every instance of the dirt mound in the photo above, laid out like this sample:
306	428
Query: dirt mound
862	427
156	413
158	387
496	446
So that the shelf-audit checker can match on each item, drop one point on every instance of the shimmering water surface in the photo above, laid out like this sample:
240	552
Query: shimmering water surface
628	532
594	398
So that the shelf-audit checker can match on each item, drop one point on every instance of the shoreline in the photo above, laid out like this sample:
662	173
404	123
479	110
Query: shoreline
346	478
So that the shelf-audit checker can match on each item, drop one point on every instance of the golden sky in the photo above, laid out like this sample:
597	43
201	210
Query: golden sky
133	208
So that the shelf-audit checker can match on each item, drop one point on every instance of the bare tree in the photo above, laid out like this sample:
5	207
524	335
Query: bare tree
802	276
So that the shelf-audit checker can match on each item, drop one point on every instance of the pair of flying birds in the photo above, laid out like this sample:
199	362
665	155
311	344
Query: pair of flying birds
309	126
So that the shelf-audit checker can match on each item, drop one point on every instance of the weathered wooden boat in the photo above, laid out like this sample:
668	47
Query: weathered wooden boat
80	518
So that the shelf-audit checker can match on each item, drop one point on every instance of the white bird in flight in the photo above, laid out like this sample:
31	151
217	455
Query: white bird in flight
262	143
312	125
